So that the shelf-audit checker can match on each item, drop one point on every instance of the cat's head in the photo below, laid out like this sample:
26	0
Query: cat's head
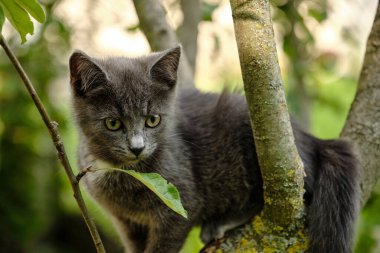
124	106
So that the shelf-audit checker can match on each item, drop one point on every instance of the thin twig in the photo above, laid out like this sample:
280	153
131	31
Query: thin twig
54	133
83	172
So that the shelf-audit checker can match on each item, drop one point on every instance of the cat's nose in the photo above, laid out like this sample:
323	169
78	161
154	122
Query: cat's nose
136	144
137	150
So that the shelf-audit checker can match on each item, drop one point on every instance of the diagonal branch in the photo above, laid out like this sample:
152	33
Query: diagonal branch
362	125
54	133
161	36
188	31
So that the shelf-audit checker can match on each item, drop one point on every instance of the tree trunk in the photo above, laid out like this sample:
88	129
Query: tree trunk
363	122
279	226
161	36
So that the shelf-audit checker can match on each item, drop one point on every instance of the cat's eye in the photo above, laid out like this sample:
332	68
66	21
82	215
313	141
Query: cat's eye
112	124
152	121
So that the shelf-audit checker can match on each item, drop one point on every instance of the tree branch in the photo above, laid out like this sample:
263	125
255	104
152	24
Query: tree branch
161	36
278	157
279	228
362	126
54	133
188	31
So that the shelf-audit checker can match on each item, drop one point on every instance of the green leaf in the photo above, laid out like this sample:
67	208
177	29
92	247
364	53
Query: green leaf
34	9
2	19
18	17
167	192
17	12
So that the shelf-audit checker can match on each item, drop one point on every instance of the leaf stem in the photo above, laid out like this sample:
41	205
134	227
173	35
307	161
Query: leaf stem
54	133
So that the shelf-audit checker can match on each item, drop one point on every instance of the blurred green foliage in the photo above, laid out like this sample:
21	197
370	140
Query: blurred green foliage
37	210
28	166
33	214
368	228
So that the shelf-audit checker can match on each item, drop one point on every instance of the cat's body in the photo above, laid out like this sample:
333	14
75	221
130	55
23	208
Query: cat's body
202	144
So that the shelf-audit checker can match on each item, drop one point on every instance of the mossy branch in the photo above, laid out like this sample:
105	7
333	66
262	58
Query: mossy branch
279	228
54	133
281	166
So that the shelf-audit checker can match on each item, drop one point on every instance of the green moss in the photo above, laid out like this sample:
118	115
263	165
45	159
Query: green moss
278	228
258	225
267	237
243	242
269	250
268	200
301	244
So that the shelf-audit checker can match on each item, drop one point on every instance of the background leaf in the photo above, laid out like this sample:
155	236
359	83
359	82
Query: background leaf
207	9
167	192
18	17
34	9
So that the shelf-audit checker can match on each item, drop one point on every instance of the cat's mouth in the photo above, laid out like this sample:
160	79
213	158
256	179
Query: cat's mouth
129	160
132	161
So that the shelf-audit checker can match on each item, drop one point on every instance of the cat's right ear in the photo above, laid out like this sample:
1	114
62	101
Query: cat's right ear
164	68
85	74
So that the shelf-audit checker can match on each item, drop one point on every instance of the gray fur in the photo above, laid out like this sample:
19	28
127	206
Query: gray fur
204	146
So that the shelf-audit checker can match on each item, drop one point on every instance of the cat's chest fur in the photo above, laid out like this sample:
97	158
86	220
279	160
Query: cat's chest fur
127	198
120	193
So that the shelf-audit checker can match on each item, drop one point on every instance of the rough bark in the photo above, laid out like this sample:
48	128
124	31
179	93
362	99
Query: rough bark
161	36
280	164
279	226
363	122
188	31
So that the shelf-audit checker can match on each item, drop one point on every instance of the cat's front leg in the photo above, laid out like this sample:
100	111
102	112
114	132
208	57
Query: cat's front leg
168	235
134	236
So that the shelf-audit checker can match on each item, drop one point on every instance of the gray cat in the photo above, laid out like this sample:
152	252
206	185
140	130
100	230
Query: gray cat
130	116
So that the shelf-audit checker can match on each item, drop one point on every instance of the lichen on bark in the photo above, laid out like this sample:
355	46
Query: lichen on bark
280	164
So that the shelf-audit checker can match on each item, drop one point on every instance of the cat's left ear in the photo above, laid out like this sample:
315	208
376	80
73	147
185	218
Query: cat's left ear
164	69
85	73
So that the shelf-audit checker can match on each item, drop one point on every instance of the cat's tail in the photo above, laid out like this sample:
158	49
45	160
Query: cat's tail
334	203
